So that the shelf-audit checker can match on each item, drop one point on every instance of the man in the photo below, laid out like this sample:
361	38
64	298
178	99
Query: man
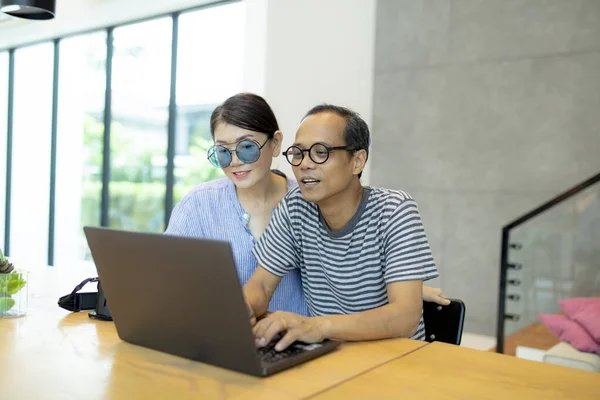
362	252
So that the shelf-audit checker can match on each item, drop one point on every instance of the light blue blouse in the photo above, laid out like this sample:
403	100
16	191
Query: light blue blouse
212	210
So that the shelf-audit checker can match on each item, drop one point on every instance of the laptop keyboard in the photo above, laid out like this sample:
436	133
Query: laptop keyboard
269	354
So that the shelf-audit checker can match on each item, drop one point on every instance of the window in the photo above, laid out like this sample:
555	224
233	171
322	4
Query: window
32	117
81	93
209	69
140	112
3	131
210	44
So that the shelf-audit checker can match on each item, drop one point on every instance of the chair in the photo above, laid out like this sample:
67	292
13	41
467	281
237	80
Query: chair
444	323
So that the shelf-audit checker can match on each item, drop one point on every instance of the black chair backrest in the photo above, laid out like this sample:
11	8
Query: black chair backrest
444	323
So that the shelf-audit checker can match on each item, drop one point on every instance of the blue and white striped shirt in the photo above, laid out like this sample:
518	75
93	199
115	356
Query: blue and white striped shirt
347	271
211	210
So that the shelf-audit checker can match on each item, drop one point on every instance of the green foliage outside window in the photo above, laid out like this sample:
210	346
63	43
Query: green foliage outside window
137	187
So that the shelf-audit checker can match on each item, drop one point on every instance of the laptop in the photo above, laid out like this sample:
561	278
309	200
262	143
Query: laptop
182	296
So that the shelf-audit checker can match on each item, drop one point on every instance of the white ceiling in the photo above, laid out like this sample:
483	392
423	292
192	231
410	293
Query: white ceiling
81	15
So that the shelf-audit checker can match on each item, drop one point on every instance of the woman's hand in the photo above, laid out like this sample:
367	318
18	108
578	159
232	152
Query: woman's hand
435	295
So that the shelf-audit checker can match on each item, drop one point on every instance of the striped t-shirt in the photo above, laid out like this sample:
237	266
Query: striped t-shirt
346	272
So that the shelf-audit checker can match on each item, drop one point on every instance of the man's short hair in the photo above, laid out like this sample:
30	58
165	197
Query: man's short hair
356	132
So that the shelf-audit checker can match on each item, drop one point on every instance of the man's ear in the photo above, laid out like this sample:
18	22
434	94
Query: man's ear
277	142
359	160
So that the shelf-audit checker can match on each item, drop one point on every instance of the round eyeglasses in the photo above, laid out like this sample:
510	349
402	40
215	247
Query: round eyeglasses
318	153
247	151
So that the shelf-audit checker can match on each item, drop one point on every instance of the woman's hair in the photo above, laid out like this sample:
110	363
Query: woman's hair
247	111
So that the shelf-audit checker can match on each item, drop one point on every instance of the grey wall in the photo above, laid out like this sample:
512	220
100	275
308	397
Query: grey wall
483	109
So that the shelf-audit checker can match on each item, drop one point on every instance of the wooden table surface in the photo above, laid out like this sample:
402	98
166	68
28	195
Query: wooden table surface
54	354
442	371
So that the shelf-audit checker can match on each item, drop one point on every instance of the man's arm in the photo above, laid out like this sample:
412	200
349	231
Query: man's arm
259	290
399	318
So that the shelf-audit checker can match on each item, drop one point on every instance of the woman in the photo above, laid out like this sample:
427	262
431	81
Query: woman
238	208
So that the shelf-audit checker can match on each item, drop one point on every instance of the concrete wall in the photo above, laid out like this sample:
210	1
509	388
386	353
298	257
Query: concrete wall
482	110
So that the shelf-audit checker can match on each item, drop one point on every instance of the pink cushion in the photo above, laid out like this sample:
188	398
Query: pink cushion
586	312
589	318
570	332
572	306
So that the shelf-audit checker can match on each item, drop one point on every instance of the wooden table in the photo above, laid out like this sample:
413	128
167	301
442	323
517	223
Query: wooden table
442	371
54	354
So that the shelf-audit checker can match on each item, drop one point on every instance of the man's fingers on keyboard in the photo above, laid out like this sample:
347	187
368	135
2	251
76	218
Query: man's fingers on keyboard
277	325
290	337
259	331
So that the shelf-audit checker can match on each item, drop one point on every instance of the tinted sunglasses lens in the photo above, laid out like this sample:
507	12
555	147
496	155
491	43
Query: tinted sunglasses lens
219	156
247	151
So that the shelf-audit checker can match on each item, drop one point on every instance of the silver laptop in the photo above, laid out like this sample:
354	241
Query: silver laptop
183	296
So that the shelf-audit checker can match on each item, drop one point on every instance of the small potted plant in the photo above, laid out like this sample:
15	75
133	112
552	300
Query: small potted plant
13	290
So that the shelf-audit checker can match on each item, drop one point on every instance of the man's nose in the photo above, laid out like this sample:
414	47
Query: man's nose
307	163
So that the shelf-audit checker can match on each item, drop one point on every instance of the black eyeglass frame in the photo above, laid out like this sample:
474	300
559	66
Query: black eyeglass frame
212	148
302	151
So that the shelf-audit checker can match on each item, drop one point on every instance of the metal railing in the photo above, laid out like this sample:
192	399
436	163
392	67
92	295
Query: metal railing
510	268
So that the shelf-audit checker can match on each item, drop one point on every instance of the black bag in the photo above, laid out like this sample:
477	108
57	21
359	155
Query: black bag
96	301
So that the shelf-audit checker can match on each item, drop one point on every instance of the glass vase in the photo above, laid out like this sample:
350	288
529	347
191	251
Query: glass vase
13	293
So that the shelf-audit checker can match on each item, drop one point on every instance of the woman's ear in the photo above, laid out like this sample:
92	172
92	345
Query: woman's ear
277	142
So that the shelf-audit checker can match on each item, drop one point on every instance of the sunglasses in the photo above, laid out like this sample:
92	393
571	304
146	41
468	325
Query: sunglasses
318	153
247	151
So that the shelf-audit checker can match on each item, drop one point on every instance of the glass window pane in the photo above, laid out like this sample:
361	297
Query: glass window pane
82	79
140	93
209	69
558	257
3	127
31	154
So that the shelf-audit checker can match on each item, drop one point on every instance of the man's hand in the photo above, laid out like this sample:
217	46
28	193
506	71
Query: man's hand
292	326
435	295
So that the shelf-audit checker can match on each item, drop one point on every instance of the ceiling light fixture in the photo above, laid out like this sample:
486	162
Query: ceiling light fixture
29	9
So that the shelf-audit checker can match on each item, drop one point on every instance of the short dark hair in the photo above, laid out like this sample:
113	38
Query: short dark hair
247	111
356	132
